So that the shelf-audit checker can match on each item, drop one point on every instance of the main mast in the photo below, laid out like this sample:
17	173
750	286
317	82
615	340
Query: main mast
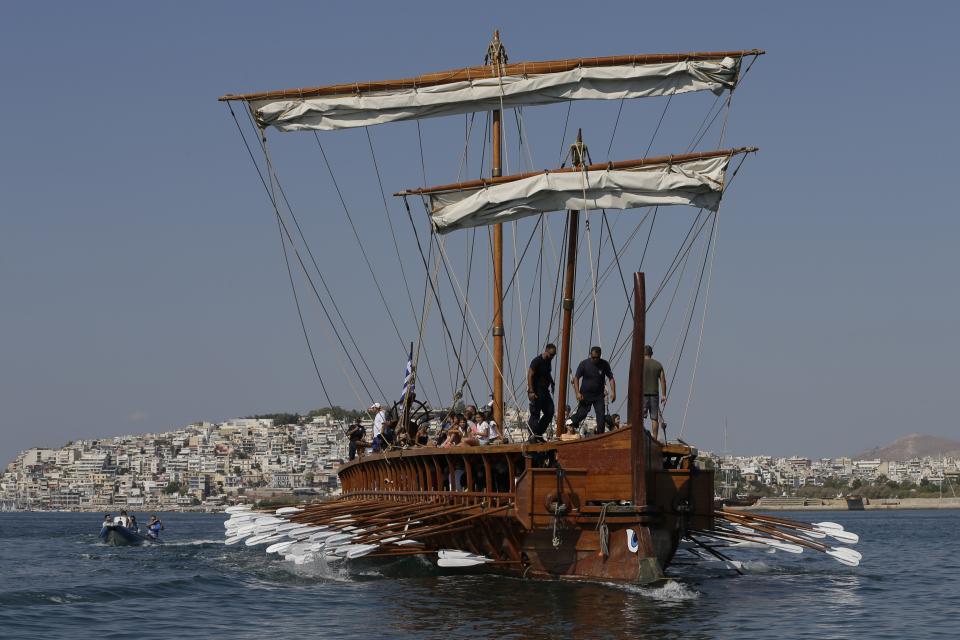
497	57
577	152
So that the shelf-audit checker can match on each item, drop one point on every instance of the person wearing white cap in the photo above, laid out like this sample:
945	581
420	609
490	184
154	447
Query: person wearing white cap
378	421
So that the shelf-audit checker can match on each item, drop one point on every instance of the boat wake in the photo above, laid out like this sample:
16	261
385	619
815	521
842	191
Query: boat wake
193	543
671	591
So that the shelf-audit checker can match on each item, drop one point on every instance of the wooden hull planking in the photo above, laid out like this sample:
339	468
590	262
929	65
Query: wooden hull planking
558	510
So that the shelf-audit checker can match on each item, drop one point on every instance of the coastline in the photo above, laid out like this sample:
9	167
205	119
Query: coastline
874	505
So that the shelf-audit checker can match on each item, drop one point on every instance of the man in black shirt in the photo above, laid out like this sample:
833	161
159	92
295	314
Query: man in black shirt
540	390
589	383
355	435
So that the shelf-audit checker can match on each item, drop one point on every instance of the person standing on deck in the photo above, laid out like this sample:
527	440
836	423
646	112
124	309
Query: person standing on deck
378	420
654	381
539	392
589	383
355	436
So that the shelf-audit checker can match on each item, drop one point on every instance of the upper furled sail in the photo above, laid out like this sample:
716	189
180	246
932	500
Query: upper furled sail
492	87
695	179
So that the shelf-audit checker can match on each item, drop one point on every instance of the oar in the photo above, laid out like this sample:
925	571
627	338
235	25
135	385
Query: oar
386	533
255	540
815	530
460	563
716	554
779	545
844	555
280	546
389	531
237	509
456	553
361	550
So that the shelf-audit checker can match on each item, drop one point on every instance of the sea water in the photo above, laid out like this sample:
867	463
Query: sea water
58	581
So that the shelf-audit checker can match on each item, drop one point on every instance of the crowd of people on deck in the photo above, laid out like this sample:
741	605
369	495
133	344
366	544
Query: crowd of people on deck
129	521
593	386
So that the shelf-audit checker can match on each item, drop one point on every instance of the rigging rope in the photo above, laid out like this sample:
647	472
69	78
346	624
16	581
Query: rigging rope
433	289
271	196
696	296
396	246
703	319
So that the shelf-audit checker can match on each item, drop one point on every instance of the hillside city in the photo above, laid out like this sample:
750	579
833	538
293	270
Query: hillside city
207	465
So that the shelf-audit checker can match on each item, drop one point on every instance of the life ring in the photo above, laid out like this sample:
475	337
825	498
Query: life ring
633	541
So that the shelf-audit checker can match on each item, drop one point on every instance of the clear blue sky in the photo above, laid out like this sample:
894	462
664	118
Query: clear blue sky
142	285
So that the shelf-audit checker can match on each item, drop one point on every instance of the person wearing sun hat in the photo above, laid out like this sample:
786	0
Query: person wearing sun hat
380	416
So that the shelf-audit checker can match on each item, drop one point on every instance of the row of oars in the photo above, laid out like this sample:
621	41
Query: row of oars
748	530
356	528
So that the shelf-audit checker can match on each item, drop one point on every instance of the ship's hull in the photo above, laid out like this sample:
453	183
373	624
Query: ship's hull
560	510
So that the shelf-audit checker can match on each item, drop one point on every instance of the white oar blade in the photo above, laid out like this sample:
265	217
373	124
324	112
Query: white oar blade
237	509
844	557
323	535
746	544
847	537
457	563
340	538
828	525
279	546
361	550
282	511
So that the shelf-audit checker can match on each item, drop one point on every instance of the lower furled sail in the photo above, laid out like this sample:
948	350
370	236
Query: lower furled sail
696	179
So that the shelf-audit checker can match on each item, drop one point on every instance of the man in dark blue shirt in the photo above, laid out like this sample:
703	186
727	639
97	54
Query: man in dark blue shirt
589	383
539	392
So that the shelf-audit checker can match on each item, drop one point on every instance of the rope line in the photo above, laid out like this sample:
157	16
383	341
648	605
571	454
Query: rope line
271	196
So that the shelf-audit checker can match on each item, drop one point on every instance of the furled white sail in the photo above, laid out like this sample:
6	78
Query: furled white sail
698	182
484	94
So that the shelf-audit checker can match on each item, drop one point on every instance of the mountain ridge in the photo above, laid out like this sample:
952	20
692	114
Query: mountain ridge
914	445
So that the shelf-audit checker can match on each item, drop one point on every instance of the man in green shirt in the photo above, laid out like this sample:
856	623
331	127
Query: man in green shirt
654	381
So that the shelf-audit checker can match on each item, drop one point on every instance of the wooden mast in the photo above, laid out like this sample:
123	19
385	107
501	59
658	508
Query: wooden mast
497	57
577	152
635	392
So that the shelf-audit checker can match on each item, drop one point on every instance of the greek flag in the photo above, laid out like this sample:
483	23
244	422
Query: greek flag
408	383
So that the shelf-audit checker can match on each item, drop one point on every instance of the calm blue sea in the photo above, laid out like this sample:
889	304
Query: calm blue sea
56	581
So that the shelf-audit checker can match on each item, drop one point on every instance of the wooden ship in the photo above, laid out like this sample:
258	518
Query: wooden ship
611	507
